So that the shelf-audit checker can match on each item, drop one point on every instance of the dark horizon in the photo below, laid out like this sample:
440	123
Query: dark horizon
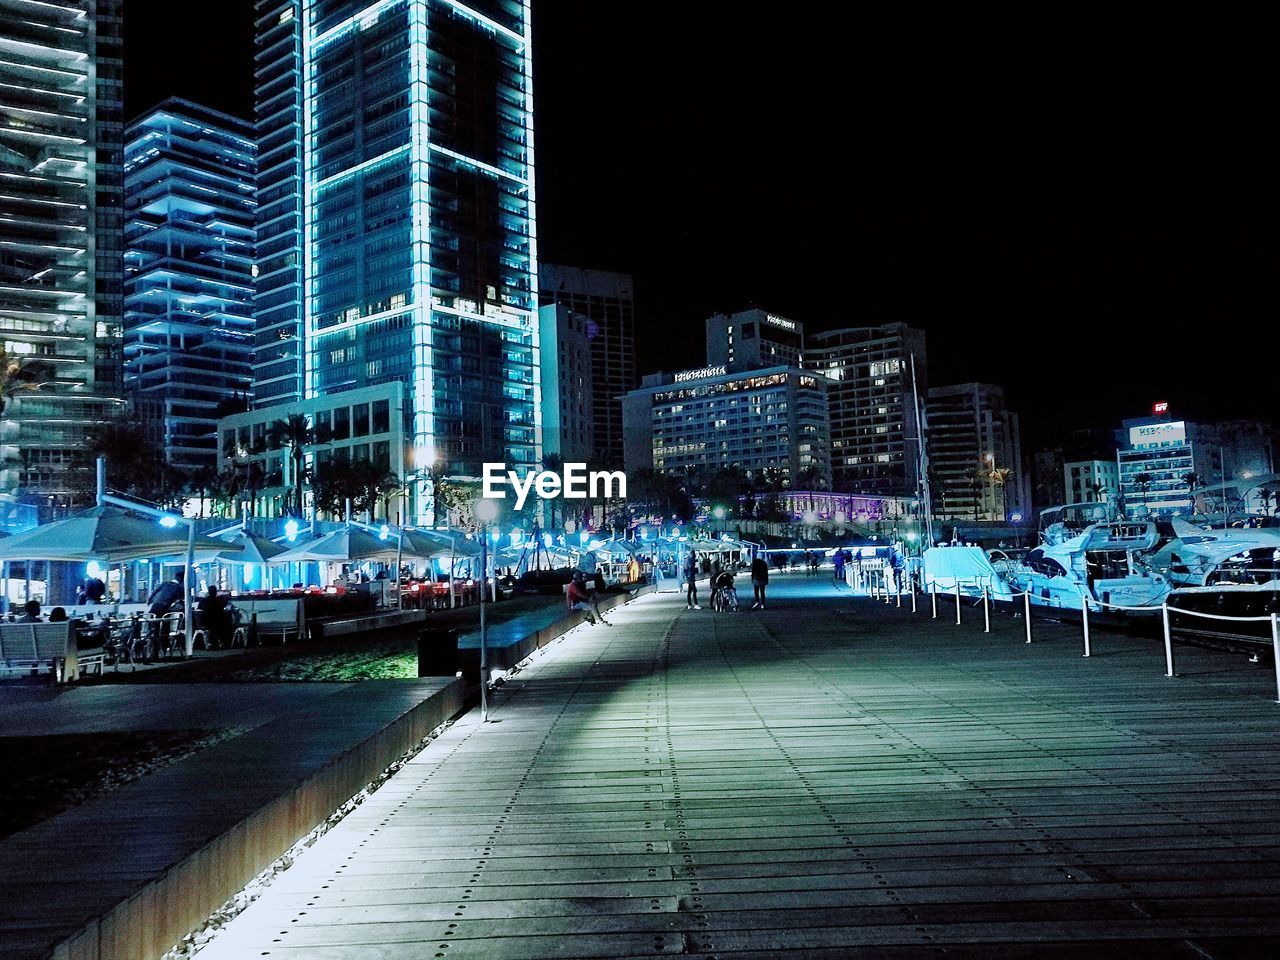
1093	229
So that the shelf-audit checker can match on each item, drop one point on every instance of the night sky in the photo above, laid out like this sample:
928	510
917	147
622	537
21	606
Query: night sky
1088	216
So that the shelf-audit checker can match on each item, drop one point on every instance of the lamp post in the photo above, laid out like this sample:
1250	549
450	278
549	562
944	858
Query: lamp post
486	513
166	520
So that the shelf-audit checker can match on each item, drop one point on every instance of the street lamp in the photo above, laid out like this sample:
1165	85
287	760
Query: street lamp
486	513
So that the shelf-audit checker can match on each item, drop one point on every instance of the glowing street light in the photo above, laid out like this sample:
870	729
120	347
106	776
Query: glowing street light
486	513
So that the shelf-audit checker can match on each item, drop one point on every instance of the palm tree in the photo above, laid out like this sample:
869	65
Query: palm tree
294	433
1143	482
135	465
999	477
19	374
1192	480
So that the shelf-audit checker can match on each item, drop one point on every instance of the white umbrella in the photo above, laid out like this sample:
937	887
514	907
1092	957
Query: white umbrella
348	545
104	533
253	549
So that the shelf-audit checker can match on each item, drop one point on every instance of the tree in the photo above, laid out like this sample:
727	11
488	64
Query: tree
1097	488
999	477
1143	482
135	463
294	433
21	374
1193	482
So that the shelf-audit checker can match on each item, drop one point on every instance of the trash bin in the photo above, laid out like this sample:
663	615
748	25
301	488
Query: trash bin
438	652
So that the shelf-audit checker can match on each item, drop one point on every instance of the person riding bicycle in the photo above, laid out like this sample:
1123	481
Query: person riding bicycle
724	595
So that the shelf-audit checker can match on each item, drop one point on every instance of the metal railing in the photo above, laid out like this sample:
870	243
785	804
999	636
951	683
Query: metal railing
878	587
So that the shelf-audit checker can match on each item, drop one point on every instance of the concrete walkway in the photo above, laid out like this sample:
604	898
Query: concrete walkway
829	778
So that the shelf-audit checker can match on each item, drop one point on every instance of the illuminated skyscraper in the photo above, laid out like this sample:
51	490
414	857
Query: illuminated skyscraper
60	237
189	188
416	191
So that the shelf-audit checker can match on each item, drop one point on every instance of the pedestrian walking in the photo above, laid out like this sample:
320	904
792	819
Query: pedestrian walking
691	579
759	580
839	567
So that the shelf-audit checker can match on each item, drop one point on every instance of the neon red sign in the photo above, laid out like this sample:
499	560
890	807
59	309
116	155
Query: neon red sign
1160	407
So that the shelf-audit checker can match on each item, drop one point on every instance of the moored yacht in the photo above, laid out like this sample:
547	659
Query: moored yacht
1086	555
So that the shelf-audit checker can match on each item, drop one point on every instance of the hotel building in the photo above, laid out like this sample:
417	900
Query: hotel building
754	337
761	418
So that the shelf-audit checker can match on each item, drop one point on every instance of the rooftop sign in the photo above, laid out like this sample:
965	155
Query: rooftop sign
779	321
1158	434
701	374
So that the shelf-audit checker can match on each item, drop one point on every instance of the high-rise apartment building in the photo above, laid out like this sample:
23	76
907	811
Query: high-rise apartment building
607	302
189	209
874	430
60	238
277	365
975	454
415	190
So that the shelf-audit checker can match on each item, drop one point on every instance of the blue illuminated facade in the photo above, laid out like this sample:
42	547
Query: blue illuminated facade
418	218
189	235
60	242
277	363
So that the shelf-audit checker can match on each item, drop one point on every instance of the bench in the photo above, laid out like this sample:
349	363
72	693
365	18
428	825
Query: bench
52	646
281	617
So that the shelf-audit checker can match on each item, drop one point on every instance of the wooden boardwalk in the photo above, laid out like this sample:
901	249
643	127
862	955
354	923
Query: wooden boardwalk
830	778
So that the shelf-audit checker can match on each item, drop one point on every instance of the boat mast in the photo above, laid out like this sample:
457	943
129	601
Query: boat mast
922	461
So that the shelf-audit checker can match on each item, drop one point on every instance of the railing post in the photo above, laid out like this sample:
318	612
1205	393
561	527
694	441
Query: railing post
986	612
957	600
1084	613
884	582
1168	641
913	595
1026	608
933	593
897	584
1275	649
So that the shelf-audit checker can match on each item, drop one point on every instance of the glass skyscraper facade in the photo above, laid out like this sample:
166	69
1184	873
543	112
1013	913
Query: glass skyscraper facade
277	363
189	209
415	189
60	239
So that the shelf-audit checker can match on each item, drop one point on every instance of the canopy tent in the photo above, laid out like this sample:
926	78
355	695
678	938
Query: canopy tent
107	533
